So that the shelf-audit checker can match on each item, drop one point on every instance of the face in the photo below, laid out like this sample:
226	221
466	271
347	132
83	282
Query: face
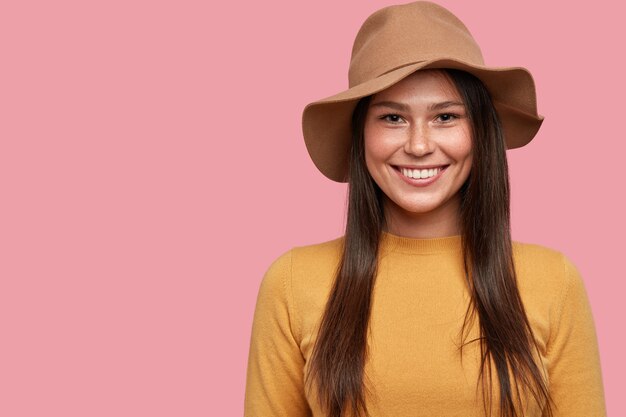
418	149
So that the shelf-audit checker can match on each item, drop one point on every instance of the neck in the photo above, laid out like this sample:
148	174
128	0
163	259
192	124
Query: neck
442	222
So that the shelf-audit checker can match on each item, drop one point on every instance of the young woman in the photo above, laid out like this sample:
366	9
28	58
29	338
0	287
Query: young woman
425	307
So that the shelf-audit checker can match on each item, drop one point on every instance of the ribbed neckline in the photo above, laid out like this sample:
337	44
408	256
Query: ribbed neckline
394	243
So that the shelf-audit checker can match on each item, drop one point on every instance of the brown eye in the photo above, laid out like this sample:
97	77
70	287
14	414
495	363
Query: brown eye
447	117
393	118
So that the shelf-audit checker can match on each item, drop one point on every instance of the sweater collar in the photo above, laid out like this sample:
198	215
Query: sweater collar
394	243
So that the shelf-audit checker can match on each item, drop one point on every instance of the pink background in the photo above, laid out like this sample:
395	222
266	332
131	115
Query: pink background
152	167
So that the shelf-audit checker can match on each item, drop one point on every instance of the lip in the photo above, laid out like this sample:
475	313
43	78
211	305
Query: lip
419	182
421	167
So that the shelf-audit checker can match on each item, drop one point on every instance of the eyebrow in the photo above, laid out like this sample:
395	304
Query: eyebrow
403	107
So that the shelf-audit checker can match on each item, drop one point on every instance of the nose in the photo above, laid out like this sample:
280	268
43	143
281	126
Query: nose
418	141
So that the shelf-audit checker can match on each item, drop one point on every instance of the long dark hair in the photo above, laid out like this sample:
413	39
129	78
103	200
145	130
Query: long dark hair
506	338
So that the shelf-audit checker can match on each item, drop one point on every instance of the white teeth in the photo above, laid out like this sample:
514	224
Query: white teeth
420	174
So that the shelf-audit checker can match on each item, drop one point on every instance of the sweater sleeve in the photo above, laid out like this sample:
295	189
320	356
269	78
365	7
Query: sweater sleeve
274	382
574	370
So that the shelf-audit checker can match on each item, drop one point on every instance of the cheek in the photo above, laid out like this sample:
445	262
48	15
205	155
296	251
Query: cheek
467	167
377	146
464	153
465	158
462	148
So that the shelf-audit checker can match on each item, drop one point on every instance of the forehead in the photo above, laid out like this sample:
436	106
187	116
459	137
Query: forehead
424	85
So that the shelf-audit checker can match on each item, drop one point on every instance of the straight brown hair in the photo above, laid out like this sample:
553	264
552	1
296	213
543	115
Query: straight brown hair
506	338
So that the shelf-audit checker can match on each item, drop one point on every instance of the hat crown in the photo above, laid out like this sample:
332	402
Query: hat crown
400	35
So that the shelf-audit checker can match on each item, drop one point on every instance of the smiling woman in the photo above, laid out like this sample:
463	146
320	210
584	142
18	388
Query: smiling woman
418	155
425	307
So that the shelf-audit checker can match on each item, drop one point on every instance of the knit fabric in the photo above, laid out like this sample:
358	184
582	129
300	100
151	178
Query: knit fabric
414	367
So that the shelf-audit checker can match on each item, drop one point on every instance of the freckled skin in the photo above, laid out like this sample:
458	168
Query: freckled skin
419	136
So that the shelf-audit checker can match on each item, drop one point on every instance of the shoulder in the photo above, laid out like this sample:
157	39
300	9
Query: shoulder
527	251
547	280
303	277
311	263
544	272
537	257
309	256
540	260
328	252
302	269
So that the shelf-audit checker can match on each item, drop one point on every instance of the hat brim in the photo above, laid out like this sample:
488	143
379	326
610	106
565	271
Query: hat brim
326	123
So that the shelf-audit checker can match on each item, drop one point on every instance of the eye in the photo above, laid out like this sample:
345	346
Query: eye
447	117
392	118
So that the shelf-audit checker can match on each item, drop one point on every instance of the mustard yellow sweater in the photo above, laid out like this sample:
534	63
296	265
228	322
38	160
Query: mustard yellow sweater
419	302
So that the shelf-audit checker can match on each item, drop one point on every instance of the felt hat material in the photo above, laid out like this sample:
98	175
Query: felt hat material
391	44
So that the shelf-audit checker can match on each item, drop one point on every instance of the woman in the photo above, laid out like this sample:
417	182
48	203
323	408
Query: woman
425	307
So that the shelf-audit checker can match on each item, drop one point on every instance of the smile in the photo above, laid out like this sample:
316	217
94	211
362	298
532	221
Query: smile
420	173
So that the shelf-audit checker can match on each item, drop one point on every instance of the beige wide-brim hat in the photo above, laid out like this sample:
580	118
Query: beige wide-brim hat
393	43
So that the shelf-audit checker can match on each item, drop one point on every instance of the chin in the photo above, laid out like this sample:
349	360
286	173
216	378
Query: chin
416	208
440	204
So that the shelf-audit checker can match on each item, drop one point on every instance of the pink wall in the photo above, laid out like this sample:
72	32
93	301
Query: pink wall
152	167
